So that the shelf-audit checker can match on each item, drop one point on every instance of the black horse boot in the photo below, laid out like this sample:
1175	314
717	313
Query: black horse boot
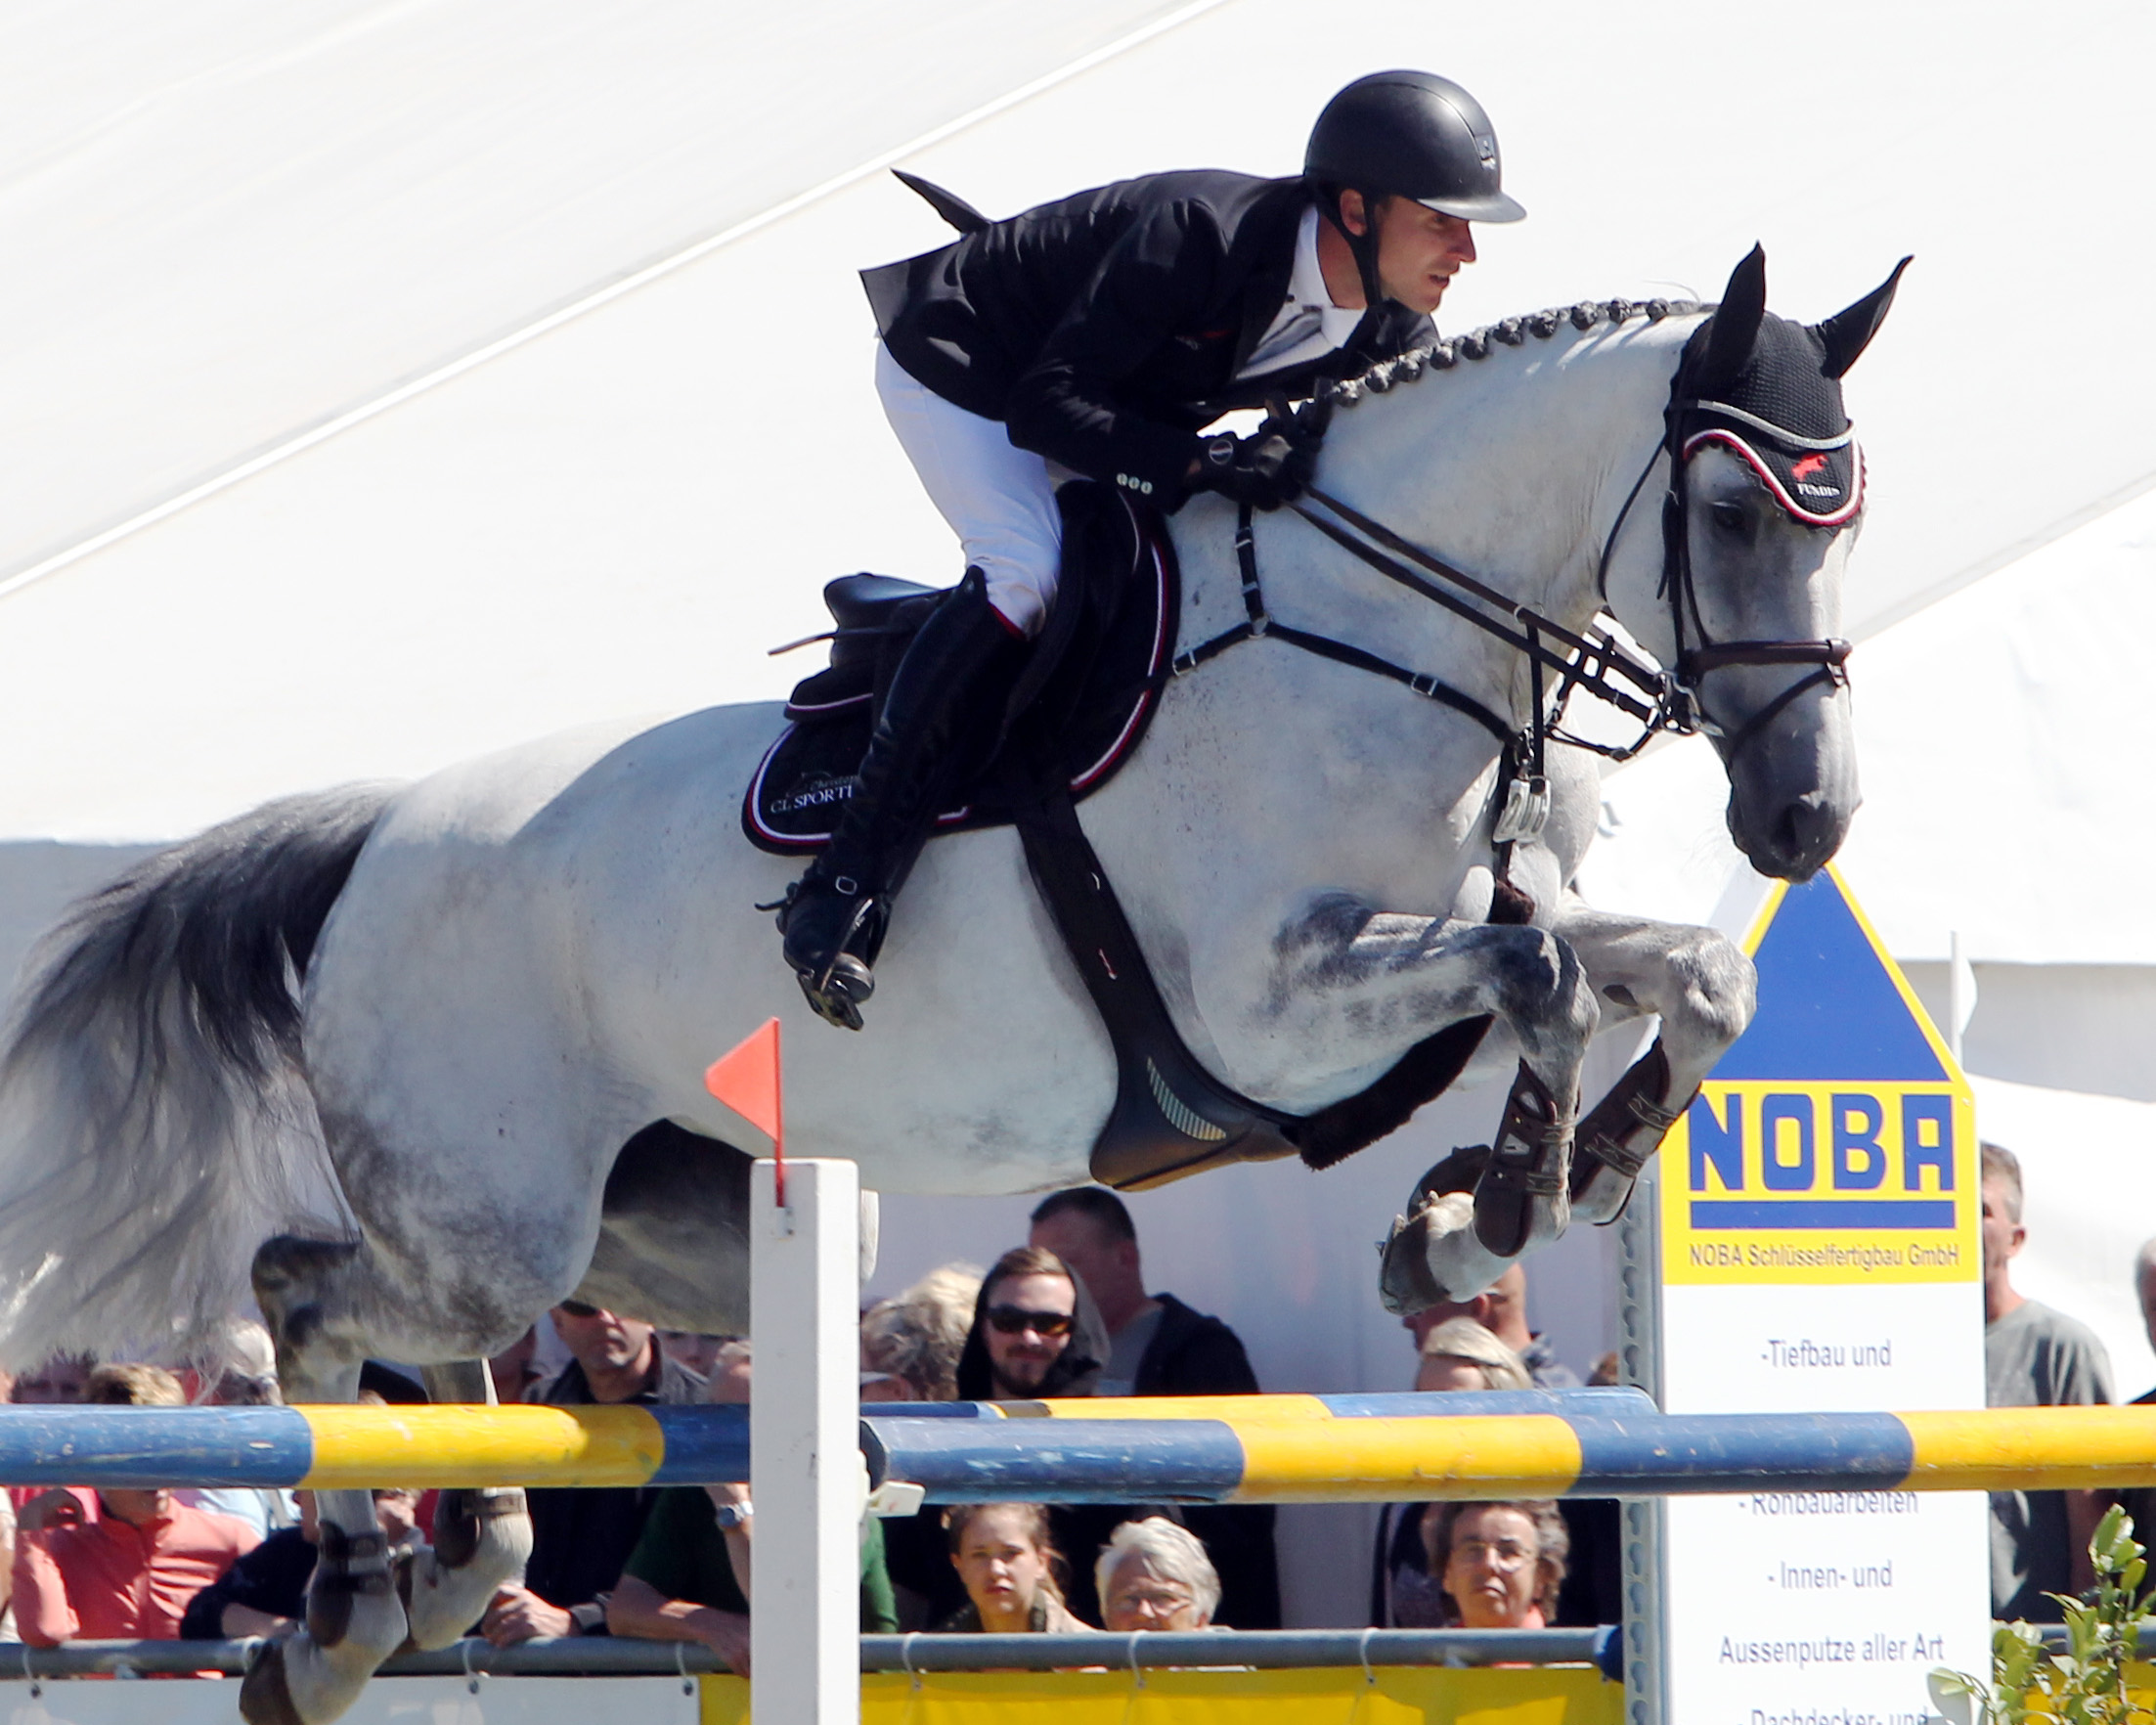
942	714
1523	1198
1615	1139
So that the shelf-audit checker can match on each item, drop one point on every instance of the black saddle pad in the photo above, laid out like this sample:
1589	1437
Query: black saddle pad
1080	710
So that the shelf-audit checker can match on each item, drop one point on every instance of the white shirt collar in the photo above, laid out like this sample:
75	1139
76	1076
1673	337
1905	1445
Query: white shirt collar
1306	293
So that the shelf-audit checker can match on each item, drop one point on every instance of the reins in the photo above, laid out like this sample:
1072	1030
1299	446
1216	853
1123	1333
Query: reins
1594	663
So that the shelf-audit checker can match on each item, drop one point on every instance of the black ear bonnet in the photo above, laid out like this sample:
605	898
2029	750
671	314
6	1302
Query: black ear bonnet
1781	414
1770	390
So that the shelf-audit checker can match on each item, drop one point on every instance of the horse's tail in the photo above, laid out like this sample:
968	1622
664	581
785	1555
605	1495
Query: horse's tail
155	1124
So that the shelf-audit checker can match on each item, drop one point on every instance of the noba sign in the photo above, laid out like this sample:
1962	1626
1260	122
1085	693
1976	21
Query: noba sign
1816	1211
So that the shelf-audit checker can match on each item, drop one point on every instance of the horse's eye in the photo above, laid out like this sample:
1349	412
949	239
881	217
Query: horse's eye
1727	516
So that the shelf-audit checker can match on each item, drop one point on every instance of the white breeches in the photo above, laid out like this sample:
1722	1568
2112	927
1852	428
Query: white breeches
1000	499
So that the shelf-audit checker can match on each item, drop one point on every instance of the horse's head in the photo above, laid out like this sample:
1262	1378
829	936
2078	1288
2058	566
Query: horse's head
1765	496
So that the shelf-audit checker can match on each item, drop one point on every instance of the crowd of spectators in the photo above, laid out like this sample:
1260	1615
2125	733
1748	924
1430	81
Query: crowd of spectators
1068	1312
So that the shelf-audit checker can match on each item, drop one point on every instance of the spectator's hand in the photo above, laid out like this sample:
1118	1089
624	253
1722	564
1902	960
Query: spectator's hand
517	1614
726	1634
56	1507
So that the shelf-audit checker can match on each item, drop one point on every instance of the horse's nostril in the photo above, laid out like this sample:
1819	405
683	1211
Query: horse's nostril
1806	835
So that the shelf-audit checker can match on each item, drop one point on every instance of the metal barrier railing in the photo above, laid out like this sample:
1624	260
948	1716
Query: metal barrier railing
606	1656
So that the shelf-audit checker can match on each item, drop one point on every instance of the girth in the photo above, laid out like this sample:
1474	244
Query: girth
1172	1116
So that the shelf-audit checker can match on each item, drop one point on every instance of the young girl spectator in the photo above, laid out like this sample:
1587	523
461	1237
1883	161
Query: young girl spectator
1003	1554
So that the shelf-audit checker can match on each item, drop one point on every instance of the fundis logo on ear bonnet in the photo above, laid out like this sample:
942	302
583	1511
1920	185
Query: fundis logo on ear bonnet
1782	415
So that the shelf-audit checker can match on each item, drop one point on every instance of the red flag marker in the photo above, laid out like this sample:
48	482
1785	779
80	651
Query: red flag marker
746	1079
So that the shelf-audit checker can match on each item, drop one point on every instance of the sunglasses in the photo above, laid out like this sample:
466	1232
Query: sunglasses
1016	1320
576	1309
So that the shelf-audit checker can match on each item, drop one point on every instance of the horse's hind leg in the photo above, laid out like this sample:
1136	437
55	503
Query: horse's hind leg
354	1619
481	1538
326	1304
1700	987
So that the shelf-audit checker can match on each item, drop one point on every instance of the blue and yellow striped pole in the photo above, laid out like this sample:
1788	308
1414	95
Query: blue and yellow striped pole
1227	1449
1366	1449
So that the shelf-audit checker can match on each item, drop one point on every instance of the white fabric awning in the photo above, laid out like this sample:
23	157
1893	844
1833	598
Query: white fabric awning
226	223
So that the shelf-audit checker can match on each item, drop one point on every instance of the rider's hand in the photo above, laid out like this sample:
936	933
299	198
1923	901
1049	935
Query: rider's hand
1264	470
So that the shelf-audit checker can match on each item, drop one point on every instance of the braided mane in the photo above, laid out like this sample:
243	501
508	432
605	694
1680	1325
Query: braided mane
1442	356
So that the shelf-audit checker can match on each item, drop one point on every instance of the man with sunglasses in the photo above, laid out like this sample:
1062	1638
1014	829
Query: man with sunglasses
1159	1347
1038	1334
580	1539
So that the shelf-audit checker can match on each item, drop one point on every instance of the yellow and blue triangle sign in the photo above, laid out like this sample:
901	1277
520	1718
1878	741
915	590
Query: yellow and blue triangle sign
1836	1140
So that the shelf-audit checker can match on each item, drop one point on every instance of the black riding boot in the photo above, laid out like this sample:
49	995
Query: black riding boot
945	704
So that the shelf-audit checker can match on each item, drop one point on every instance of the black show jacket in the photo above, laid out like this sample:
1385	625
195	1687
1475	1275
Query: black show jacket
1104	330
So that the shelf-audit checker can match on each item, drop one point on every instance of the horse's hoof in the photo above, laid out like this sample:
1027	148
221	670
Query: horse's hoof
299	1681
265	1697
1432	1257
1419	1257
1458	1172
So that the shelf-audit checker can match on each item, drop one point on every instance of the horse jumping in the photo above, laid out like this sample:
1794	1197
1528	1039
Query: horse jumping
417	1063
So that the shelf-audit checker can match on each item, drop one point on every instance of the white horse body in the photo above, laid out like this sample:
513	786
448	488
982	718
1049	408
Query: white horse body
531	958
599	881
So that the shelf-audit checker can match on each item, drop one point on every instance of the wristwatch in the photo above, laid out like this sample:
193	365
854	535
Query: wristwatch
589	1617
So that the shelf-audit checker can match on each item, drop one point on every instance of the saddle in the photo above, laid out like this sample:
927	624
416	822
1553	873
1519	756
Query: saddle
1081	709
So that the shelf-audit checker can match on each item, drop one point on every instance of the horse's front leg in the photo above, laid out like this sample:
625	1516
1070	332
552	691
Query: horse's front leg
1700	987
1351	975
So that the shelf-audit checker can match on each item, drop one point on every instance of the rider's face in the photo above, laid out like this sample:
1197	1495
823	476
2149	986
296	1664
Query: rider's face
1419	250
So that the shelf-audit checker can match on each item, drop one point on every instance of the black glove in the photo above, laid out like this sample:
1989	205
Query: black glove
1264	470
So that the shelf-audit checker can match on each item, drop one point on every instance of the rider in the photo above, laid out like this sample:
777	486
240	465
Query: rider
1094	337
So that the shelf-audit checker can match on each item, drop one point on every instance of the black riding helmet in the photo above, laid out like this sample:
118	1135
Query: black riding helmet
1406	134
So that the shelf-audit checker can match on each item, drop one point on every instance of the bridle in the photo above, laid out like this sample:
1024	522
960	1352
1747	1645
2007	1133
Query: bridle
1596	663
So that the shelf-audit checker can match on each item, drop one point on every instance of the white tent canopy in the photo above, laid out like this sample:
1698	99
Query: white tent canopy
253	218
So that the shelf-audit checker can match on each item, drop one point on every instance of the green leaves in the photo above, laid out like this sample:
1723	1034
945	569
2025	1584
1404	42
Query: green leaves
2086	1685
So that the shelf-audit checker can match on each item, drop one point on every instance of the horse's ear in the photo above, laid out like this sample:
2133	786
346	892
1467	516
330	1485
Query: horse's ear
1847	333
1735	325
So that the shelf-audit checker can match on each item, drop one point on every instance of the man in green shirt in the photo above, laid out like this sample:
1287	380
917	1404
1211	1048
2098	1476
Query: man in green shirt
680	1583
689	1577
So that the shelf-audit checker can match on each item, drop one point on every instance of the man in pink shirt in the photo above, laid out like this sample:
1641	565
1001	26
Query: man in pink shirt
126	1575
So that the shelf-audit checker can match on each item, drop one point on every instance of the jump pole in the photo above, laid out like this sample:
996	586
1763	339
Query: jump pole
1199	1450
